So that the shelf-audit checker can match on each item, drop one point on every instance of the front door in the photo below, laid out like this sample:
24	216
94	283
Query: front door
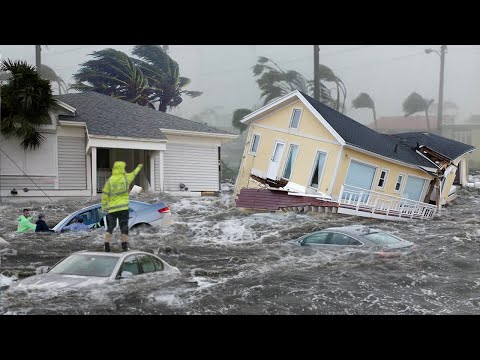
275	160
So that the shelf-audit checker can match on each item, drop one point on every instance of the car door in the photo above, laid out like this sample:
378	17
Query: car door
132	217
339	239
316	239
89	218
130	264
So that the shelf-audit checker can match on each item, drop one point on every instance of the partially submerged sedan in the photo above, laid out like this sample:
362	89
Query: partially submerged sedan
356	236
141	214
85	268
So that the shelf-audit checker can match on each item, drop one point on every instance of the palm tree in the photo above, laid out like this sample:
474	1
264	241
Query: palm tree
275	82
238	115
165	85
113	73
365	101
415	103
26	100
48	73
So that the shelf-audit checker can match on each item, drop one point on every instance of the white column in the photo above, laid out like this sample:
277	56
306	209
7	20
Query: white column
94	171
152	171
89	172
161	171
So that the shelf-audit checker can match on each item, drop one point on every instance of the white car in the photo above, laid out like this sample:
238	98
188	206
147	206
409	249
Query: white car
85	268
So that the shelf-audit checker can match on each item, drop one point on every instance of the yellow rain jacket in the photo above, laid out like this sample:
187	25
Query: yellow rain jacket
115	191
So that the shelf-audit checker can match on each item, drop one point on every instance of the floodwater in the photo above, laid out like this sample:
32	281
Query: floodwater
234	261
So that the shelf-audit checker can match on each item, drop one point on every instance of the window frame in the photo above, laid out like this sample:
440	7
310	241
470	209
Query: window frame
291	119
252	143
402	183
139	256
312	169
387	171
294	161
140	270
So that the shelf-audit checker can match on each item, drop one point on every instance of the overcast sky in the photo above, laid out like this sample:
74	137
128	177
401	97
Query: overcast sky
389	73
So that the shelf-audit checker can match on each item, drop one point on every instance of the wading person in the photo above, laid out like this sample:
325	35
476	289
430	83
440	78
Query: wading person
25	222
41	224
115	202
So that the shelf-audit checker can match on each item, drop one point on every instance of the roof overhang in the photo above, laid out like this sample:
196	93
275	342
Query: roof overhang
223	138
353	147
72	123
285	100
120	142
66	107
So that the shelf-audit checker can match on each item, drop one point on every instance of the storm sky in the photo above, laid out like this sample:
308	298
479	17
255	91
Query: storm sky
389	73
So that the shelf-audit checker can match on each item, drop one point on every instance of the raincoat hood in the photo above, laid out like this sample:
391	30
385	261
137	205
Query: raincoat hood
119	168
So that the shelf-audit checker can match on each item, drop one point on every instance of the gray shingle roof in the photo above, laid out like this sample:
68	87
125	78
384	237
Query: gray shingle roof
105	115
450	148
365	138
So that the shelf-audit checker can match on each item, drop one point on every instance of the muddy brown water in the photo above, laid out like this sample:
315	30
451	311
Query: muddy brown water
236	262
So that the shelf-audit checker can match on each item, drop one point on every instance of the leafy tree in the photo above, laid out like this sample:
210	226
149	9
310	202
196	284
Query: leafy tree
364	100
26	100
416	103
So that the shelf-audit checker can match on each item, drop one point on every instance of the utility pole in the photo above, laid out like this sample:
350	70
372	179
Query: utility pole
443	50
316	72
38	60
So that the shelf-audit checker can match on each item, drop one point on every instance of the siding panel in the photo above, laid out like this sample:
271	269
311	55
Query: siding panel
72	172
20	182
195	166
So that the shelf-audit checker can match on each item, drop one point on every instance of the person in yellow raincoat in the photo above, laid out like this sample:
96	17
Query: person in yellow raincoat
115	198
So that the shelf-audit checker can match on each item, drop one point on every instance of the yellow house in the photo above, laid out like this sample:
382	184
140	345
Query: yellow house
322	153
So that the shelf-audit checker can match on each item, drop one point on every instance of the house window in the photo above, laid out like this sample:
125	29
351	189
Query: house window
382	179
398	185
292	156
255	141
318	166
295	120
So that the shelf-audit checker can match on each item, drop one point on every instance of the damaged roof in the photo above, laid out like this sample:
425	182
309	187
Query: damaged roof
449	148
106	115
365	138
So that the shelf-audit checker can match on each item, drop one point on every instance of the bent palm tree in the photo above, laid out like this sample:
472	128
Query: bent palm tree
26	100
48	73
416	103
364	100
238	115
113	73
165	85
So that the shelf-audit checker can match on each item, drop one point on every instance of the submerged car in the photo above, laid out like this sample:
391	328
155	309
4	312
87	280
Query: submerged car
85	268
141	214
356	236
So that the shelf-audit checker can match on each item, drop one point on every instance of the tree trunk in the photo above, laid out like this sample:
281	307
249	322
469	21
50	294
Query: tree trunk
428	121
162	107
375	118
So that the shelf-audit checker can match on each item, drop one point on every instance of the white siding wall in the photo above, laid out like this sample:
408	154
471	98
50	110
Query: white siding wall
71	163
196	166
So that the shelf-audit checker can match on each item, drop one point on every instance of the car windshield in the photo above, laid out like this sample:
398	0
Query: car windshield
380	238
86	265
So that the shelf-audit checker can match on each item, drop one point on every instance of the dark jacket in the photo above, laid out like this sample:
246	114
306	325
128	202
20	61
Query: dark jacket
42	226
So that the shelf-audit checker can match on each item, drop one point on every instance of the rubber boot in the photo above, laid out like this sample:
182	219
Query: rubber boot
108	237
124	239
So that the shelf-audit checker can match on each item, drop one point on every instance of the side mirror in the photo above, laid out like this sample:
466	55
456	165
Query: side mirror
42	270
301	242
126	275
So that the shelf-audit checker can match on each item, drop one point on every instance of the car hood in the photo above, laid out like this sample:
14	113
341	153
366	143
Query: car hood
58	281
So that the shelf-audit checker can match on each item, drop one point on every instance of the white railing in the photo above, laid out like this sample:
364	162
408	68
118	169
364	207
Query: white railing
364	201
102	177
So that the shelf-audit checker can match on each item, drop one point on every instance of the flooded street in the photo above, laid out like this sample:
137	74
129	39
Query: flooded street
234	261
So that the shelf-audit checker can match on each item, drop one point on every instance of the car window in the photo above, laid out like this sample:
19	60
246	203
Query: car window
158	264
147	263
86	265
381	238
130	264
339	239
352	241
317	238
89	217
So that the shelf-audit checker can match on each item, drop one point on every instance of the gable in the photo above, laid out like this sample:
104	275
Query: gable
309	125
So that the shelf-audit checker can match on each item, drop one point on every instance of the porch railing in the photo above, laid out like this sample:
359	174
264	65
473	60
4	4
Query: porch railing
363	201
